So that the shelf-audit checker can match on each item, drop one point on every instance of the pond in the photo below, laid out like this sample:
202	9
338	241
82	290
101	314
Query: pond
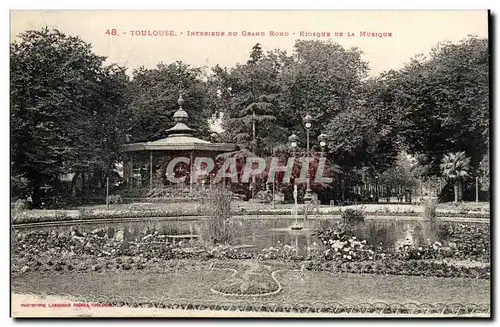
257	233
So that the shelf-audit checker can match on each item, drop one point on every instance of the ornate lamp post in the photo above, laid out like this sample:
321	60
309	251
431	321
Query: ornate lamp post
307	120
322	142
293	139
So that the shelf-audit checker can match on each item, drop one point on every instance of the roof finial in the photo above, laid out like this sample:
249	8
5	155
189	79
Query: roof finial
180	117
180	101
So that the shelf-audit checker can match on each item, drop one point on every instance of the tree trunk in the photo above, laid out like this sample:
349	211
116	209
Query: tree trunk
73	184
36	183
343	189
84	191
455	188
253	130
460	190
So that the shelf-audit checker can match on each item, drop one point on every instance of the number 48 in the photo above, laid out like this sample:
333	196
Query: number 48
111	32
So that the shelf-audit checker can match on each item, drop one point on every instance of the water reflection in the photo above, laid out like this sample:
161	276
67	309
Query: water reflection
263	233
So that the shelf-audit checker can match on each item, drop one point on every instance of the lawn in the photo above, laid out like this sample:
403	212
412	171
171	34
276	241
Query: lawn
356	288
179	284
297	287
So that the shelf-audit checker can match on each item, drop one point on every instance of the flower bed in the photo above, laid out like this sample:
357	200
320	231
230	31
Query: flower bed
250	280
451	240
409	268
282	252
470	240
106	249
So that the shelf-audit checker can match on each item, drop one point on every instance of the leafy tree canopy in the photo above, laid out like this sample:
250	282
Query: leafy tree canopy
154	95
442	101
66	107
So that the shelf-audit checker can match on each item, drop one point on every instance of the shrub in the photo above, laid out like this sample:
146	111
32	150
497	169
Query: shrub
339	244
19	206
335	232
19	187
227	252
352	217
430	251
220	224
349	249
114	199
471	241
430	207
430	214
282	252
314	252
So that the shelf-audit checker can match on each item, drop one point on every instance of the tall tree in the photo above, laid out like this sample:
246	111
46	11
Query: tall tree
359	139
442	101
324	79
59	88
250	112
154	94
456	167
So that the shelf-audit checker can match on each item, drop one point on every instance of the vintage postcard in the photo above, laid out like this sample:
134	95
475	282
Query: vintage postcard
176	163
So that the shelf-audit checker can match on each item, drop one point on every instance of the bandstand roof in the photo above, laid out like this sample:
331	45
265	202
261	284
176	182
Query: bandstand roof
180	139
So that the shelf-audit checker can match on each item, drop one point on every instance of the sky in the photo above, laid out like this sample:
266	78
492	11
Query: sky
412	33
